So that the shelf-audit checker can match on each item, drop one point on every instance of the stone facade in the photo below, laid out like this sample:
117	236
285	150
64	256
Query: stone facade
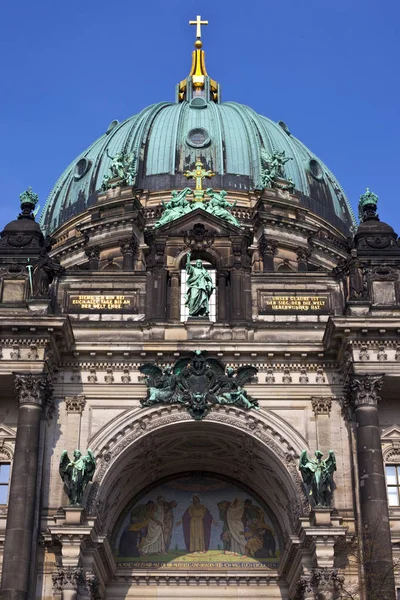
328	368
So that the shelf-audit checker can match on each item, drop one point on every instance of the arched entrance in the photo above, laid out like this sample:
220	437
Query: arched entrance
235	472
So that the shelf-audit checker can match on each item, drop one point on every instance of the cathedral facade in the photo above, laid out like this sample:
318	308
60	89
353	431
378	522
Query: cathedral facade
199	369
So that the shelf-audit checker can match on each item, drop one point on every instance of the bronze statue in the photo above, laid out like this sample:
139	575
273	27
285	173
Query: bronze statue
76	474
199	289
318	476
230	390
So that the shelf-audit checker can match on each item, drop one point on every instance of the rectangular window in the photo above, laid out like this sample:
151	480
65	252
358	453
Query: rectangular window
4	482
393	484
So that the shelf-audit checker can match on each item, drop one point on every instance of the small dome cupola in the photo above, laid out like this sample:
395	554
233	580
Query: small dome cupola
198	84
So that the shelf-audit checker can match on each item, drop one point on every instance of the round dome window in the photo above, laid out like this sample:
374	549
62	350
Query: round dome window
81	168
283	125
315	169
198	138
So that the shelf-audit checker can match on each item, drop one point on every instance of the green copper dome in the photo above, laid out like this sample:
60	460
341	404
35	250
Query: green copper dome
167	138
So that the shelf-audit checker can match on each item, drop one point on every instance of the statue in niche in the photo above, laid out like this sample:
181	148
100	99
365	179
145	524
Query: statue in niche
176	207
199	289
44	272
318	476
229	389
123	168
76	474
273	168
219	207
357	285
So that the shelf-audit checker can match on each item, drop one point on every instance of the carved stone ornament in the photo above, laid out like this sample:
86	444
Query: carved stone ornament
67	578
198	383
364	390
198	238
75	404
303	377
321	406
319	581
32	389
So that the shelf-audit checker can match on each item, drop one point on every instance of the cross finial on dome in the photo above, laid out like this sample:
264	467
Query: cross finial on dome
198	22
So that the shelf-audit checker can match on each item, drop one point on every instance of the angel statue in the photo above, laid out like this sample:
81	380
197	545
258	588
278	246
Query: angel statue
318	475
162	385
178	206
229	389
76	474
123	167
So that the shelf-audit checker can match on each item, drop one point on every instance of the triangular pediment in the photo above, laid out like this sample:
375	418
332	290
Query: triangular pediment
6	432
391	433
198	215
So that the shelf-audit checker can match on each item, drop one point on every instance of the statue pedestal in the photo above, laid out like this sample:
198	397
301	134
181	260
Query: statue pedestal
198	320
74	515
321	516
39	306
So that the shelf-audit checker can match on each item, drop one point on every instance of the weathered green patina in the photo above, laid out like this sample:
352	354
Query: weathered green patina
199	289
176	207
367	205
122	170
198	383
29	197
273	169
219	207
76	474
318	476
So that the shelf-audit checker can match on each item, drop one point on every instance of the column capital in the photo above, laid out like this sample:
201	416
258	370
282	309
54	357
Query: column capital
32	389
363	390
328	581
67	578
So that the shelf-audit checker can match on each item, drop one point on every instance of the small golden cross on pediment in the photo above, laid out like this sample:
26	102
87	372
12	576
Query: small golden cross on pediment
198	22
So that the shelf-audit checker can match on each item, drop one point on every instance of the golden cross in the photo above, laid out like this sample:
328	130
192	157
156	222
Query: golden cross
198	174
198	22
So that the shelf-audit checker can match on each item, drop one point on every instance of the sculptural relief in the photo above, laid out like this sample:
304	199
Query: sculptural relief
198	383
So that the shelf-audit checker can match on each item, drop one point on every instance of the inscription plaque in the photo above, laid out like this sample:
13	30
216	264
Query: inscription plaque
293	304
102	303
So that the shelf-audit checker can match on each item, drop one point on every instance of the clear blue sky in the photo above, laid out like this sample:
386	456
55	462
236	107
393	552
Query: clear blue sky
329	69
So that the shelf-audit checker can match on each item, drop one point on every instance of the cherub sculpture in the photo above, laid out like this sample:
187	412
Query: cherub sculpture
318	475
76	474
229	389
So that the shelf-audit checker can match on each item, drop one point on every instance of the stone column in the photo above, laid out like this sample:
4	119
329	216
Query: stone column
268	250
237	299
378	560
74	406
32	392
93	255
175	296
129	249
222	307
322	409
303	254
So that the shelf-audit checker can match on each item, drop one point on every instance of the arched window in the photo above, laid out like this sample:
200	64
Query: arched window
184	309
